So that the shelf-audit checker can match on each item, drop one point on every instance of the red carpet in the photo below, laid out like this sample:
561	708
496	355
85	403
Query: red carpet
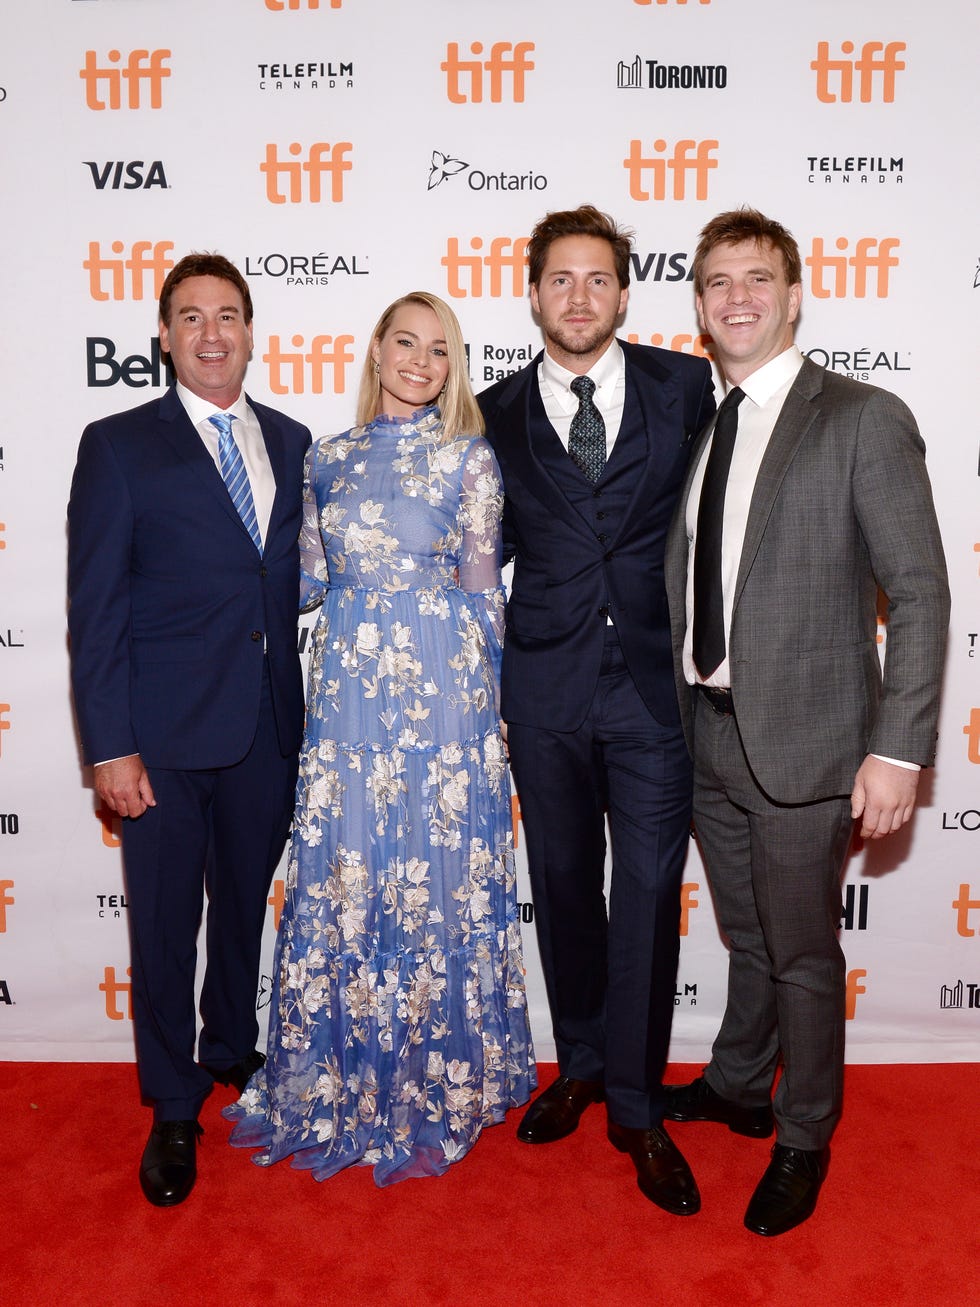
898	1223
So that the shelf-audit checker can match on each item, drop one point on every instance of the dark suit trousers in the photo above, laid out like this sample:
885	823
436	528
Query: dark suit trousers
610	979
775	875
223	831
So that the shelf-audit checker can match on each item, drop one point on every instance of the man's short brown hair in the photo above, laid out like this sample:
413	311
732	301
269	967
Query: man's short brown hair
204	265
738	225
586	220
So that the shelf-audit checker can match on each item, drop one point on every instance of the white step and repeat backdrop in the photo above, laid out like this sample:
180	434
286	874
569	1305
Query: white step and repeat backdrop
342	152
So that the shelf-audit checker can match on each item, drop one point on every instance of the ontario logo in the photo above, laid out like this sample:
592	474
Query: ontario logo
443	167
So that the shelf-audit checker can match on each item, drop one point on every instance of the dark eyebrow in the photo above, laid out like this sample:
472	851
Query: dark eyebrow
196	308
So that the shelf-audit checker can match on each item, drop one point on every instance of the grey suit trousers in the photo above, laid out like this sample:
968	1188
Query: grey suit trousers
775	877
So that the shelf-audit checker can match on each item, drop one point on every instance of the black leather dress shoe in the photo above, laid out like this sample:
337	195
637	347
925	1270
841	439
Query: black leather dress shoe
240	1073
787	1193
168	1167
699	1102
661	1172
555	1113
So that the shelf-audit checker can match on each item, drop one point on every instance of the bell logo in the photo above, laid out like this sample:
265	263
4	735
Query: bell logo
871	256
317	358
7	900
854	987
507	255
111	824
277	6
688	903
4	724
277	901
322	158
145	257
501	64
971	730
104	85
963	906
877	62
649	175
113	990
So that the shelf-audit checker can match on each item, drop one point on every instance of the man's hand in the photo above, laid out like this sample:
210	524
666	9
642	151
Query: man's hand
124	785
883	796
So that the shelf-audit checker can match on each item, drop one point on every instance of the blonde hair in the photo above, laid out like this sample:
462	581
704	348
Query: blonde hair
457	403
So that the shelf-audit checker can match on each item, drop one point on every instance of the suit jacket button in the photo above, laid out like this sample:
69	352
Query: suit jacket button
602	539
604	611
608	557
256	636
263	571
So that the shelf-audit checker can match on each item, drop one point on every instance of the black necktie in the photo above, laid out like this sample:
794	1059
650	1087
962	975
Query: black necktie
709	604
587	434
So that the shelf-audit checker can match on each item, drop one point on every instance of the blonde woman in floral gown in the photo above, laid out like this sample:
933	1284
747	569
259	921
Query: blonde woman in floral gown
399	1024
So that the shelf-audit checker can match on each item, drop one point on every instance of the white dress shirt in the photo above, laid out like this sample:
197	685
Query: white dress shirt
561	402
248	438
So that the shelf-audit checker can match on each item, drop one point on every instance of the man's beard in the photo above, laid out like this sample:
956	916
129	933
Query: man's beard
576	343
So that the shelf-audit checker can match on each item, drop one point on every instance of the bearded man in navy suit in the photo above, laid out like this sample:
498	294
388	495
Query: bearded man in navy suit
592	439
188	692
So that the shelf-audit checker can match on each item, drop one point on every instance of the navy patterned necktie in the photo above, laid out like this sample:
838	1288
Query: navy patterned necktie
234	475
587	434
709	603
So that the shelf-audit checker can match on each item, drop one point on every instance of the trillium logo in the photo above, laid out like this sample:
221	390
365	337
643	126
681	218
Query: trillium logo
442	167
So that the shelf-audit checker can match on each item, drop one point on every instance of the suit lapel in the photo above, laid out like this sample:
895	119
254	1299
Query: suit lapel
514	441
795	419
275	448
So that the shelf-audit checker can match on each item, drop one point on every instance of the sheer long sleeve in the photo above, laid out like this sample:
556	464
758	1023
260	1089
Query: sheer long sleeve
314	574
481	547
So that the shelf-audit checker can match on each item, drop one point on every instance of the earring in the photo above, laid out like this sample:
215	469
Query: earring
377	369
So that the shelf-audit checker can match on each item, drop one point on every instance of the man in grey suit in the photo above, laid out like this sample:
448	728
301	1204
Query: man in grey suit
807	494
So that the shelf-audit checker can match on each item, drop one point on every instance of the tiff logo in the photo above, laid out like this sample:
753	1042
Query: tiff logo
688	903
682	343
114	989
111	825
288	368
145	257
648	175
323	159
869	264
501	64
972	732
963	905
464	272
277	6
4	710
877	61
7	900
142	67
853	989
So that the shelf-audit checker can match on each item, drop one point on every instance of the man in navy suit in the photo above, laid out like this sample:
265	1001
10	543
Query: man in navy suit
188	692
592	439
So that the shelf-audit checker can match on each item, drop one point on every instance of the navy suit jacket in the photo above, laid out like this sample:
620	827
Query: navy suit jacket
170	604
564	574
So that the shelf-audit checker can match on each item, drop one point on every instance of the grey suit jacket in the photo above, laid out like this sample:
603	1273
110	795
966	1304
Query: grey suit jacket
842	505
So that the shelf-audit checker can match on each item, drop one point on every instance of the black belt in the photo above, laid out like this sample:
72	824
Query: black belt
718	699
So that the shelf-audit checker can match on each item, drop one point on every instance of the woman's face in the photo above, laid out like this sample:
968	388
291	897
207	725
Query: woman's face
412	359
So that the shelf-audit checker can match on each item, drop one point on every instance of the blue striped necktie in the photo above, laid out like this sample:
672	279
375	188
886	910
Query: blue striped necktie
234	475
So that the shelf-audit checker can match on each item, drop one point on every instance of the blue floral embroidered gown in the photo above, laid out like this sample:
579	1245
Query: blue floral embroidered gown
399	1024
